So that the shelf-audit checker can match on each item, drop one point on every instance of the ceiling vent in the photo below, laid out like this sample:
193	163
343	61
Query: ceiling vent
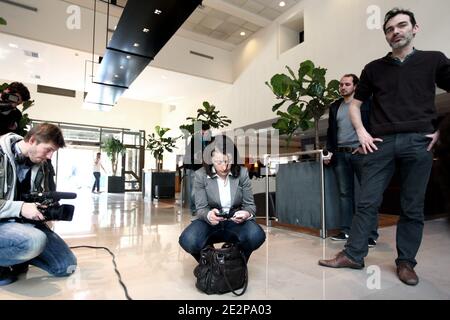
201	55
20	5
56	91
31	54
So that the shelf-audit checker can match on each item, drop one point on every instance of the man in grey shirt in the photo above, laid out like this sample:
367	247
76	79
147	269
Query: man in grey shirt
342	143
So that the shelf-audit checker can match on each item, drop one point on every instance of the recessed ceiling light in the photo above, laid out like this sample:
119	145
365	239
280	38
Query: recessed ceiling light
136	44
116	76
242	33
121	67
128	57
146	30
158	11
13	45
282	4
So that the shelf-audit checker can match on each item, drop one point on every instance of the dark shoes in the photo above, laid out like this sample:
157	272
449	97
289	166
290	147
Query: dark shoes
407	274
6	276
340	237
344	236
341	261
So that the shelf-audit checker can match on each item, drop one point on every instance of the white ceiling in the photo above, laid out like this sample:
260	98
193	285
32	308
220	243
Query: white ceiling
65	68
217	23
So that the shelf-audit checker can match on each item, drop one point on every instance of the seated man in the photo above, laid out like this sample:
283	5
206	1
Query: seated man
222	187
24	237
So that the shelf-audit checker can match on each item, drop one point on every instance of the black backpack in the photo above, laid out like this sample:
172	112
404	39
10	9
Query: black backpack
222	270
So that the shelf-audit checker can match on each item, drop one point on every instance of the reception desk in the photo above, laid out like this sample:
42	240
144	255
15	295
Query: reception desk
298	195
158	184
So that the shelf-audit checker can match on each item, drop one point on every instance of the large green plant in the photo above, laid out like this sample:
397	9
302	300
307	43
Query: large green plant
158	144
207	115
25	121
113	147
308	96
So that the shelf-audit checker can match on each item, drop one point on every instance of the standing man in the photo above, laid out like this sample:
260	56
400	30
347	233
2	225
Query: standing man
24	237
342	144
403	113
193	159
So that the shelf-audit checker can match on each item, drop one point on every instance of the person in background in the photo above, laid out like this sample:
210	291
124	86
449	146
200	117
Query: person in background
342	144
96	168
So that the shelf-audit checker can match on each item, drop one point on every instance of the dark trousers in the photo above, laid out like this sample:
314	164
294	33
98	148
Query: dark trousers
407	153
348	166
199	234
96	182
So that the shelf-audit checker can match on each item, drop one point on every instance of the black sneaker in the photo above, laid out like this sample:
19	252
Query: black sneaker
372	243
340	237
6	276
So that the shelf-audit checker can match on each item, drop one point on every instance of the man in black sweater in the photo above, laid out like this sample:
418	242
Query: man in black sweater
403	133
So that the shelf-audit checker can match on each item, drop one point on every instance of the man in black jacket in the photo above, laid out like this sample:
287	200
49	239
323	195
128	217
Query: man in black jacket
402	123
342	144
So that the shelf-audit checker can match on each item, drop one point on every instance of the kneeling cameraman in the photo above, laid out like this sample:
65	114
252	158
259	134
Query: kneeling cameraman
24	237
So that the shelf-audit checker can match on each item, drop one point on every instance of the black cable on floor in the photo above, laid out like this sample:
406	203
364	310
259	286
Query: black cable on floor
115	266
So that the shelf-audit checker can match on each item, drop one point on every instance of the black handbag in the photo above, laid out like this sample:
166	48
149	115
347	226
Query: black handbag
222	270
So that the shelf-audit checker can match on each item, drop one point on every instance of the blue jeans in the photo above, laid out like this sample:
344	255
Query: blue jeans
96	182
37	245
348	166
249	235
407	153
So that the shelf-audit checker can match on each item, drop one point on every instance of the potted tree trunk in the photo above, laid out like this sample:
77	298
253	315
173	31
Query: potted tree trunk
114	149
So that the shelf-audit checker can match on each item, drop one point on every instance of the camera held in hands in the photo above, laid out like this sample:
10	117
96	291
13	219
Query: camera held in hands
48	204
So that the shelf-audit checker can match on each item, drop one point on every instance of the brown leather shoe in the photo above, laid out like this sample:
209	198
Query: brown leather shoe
406	274
341	261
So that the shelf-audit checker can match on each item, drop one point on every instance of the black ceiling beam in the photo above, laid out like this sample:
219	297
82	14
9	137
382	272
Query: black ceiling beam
143	30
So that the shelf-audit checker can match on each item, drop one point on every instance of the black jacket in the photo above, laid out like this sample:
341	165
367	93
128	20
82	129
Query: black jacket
332	123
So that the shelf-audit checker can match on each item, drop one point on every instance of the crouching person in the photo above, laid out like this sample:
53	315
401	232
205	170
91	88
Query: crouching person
24	237
224	203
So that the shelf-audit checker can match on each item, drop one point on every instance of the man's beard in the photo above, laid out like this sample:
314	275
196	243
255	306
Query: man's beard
402	43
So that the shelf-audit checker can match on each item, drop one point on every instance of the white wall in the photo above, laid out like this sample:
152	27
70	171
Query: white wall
336	37
49	25
129	114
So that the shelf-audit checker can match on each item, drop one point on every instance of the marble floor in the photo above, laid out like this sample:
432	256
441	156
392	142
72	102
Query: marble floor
144	238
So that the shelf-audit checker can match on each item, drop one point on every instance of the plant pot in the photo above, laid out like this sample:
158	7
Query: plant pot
116	184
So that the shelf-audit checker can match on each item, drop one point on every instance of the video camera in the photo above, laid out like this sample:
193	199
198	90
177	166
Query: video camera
49	205
9	114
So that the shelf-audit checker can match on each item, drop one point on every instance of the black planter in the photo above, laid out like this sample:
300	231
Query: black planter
116	184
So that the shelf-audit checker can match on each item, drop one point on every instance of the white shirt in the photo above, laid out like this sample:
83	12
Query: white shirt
224	193
96	167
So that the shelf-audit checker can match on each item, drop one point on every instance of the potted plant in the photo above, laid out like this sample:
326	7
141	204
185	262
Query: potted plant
158	144
114	148
207	115
298	185
308	96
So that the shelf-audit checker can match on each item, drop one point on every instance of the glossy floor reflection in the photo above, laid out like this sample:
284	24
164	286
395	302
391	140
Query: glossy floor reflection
144	238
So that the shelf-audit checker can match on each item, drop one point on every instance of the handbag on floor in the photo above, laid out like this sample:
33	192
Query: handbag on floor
222	270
